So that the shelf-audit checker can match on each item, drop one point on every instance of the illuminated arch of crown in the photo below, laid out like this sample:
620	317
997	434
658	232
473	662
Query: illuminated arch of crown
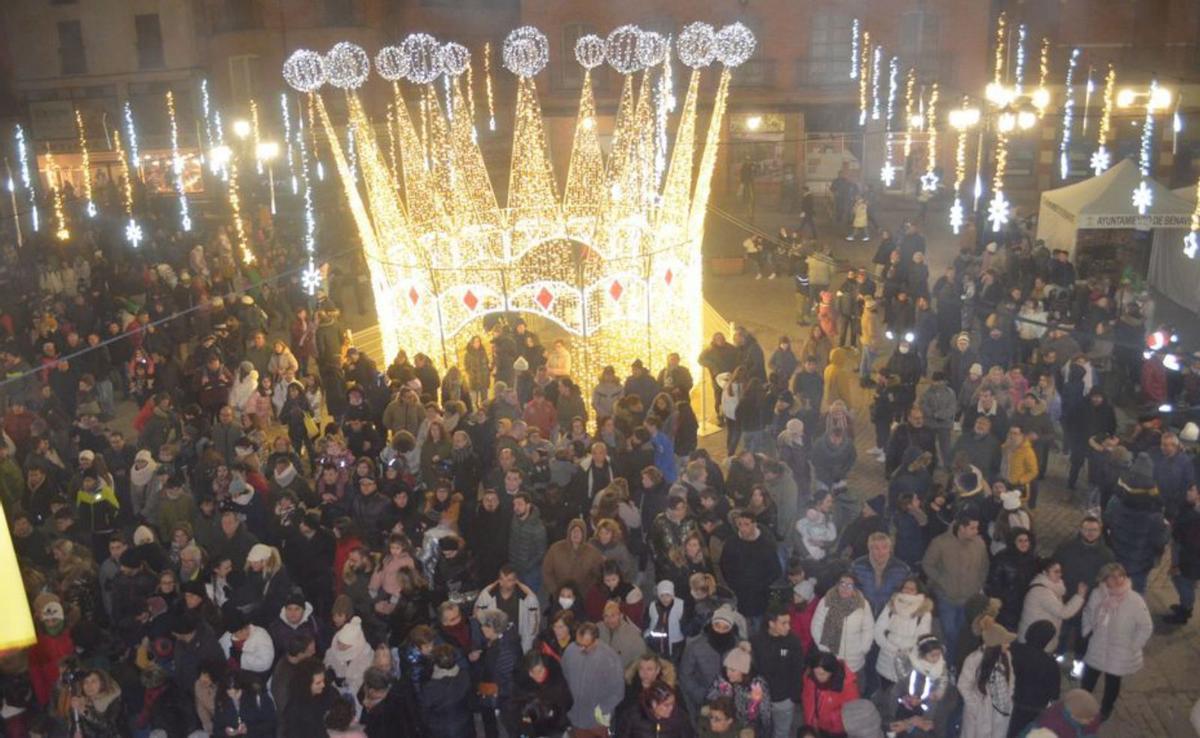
614	260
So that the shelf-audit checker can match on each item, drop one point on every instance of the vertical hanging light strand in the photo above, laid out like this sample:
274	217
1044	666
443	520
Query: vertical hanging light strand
1087	97
85	158
929	182
26	177
471	99
133	231
286	114
185	218
995	90
666	103
1101	158
998	208
1143	195
888	174
393	163
61	231
256	136
310	278
206	109
910	89
1064	148
131	135
864	79
235	206
876	64
487	80
1019	70
854	48
312	138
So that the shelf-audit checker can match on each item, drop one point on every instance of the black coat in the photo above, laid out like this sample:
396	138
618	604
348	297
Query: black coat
1187	533
642	725
487	536
255	710
1008	579
444	706
541	709
396	716
750	567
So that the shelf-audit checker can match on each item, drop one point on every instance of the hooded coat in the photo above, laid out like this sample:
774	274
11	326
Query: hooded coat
1134	520
899	626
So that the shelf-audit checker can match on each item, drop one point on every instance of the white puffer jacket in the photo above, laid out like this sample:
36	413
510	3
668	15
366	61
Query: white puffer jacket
858	632
1044	601
900	624
1119	636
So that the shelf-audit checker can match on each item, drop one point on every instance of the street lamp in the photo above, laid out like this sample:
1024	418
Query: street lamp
268	151
241	128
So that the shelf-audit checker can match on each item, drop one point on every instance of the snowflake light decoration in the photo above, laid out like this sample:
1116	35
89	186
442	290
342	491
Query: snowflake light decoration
133	233
887	175
310	279
956	216
1143	198
1100	161
929	182
1190	244
998	211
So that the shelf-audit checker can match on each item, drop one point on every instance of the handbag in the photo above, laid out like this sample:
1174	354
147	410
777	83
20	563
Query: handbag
310	426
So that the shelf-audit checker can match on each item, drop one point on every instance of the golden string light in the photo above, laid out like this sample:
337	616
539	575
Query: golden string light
256	135
1041	96
85	158
1101	159
910	89
61	231
487	79
391	129
235	206
1001	38
471	92
929	182
133	231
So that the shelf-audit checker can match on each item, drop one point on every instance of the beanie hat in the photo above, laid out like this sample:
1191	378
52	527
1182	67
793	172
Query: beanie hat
1140	477
806	590
343	606
666	586
860	719
1011	499
1190	433
725	614
258	552
738	659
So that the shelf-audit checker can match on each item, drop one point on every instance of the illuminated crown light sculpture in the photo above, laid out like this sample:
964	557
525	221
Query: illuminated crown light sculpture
614	262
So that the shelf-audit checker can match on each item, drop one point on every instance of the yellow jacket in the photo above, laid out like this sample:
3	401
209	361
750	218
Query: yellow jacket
1020	465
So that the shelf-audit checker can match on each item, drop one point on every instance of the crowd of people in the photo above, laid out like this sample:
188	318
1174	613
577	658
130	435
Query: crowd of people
231	521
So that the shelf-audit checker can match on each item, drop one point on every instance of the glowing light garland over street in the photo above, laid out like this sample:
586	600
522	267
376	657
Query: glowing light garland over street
1101	160
133	231
1191	242
1143	195
864	81
61	231
888	173
1064	156
185	218
929	182
855	40
86	162
26	177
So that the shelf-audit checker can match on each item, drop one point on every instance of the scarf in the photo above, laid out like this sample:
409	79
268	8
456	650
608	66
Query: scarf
141	477
1058	588
919	516
839	609
906	605
285	477
1113	599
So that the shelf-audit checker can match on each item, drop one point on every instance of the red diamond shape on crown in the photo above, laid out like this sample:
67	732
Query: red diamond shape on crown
413	295
544	298
470	300
615	290
669	277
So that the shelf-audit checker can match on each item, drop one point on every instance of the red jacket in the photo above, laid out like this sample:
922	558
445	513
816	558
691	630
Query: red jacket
44	659
823	706
1154	381
802	618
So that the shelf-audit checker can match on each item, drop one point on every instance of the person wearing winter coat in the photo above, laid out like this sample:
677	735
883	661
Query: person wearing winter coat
444	698
750	694
295	620
833	456
814	535
248	645
843	624
664	622
880	574
541	699
657	714
907	617
940	406
594	674
1134	521
500	658
703	655
244	708
924	699
617	631
1044	601
526	540
1036	675
97	710
986	685
750	565
827	686
571	560
506	587
956	565
1009	575
779	656
1186	532
349	656
1117	623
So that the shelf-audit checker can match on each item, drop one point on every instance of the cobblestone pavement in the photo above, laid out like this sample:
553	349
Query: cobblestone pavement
1154	702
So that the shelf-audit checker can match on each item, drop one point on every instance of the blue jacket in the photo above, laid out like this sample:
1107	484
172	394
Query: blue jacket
1173	476
910	539
664	456
878	594
1136	530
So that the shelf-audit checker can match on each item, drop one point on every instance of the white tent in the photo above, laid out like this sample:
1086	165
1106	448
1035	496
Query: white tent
1106	202
1171	271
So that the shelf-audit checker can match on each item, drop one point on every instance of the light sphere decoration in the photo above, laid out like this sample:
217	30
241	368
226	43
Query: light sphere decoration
526	51
735	45
455	58
347	66
391	63
589	51
304	70
424	55
621	49
651	48
697	45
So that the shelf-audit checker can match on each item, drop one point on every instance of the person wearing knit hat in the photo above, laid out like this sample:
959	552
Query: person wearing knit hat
350	655
738	660
1076	714
861	719
1190	433
1134	520
986	684
259	552
751	695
